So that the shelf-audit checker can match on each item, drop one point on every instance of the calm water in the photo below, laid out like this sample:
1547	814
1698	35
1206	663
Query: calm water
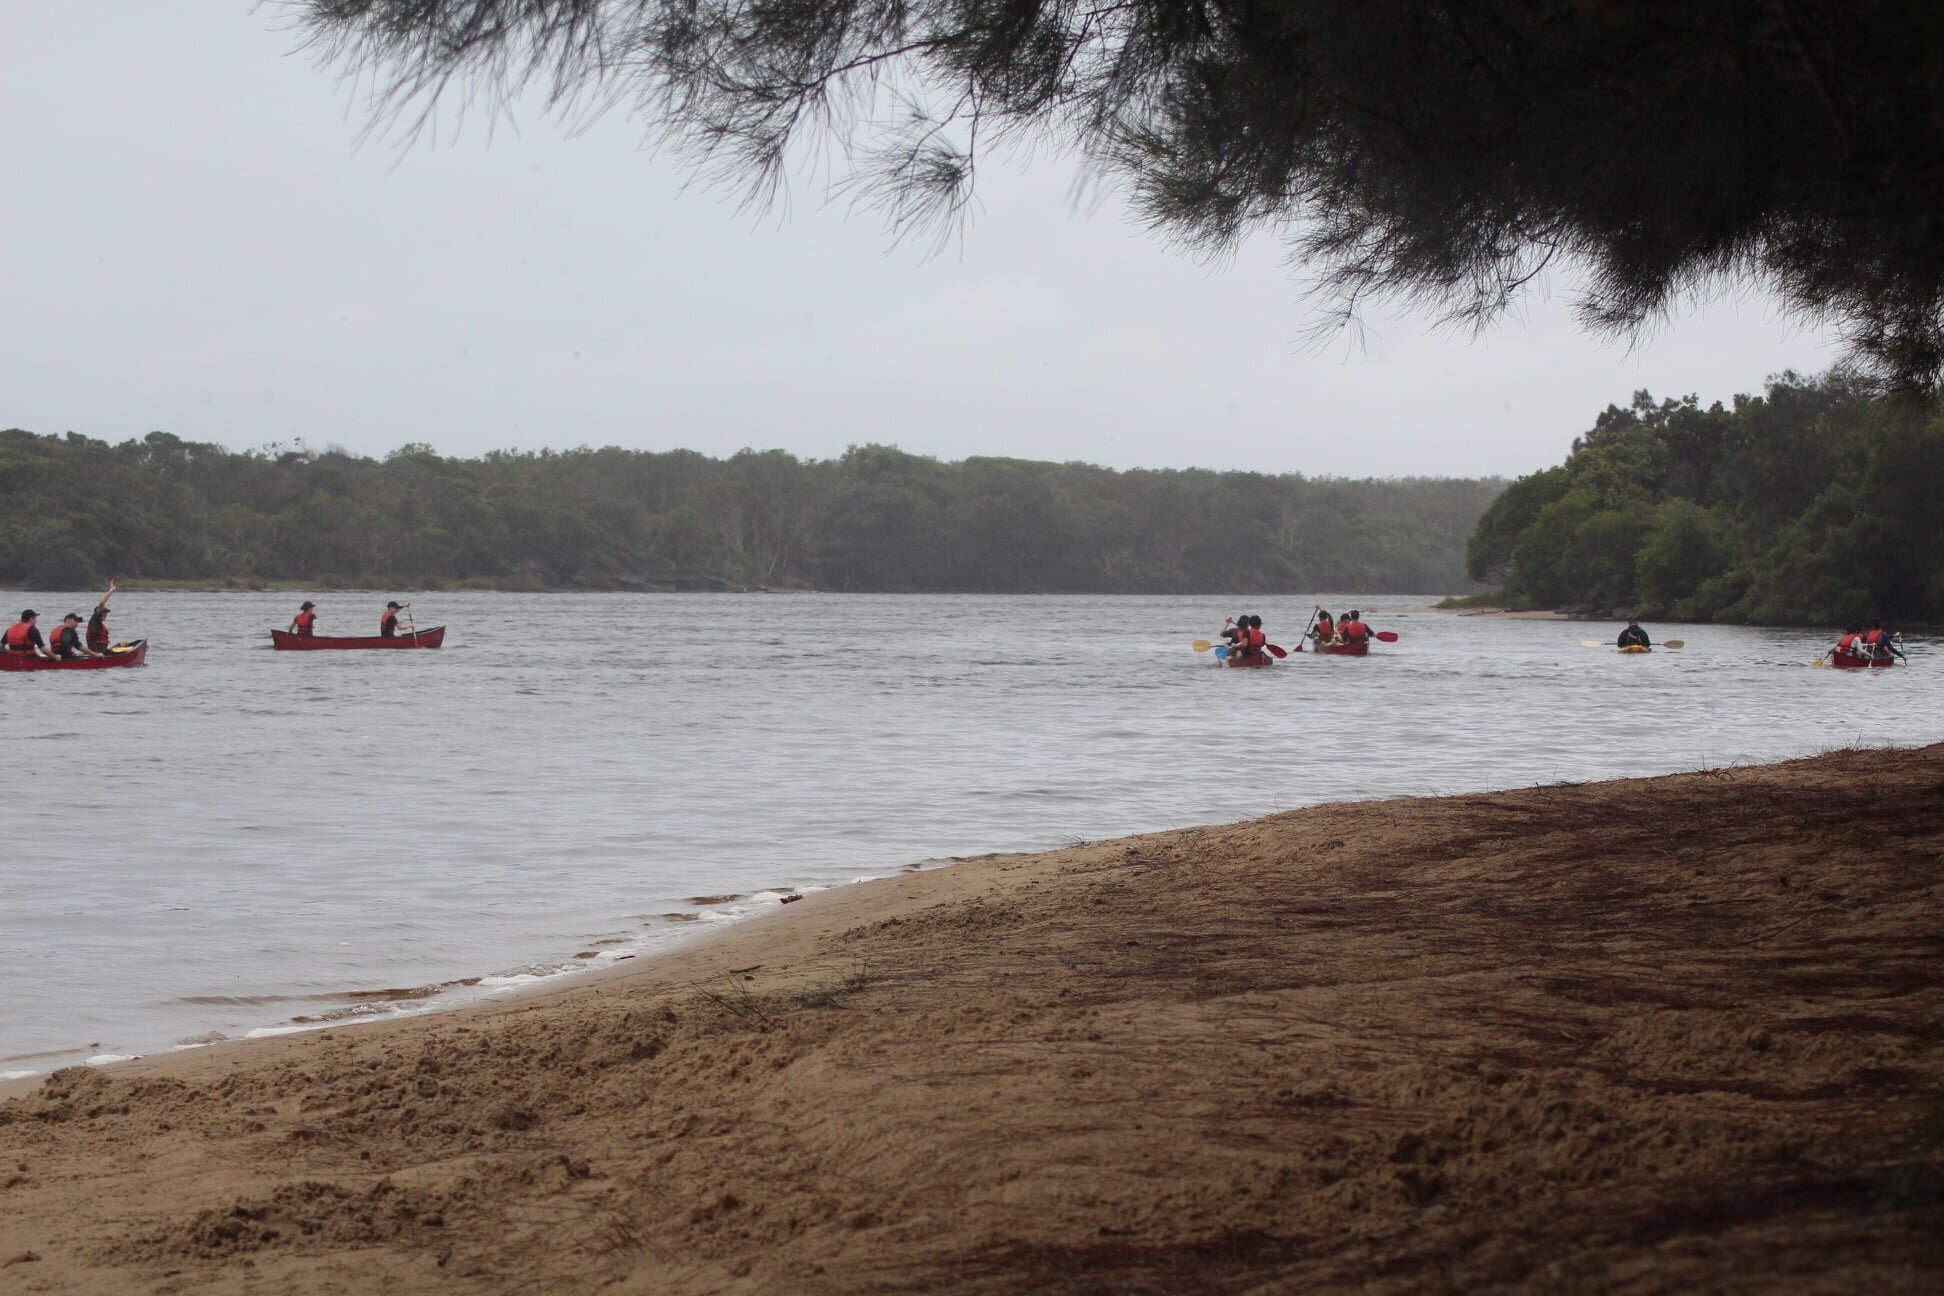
232	839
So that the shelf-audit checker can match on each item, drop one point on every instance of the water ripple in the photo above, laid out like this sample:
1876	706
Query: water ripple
259	830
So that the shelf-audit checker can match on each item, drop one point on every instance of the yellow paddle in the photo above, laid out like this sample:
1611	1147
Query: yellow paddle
1201	645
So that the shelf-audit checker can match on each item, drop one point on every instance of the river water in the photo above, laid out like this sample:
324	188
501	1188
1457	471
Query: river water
233	841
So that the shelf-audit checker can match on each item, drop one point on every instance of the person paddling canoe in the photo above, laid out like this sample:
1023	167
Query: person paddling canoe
1353	630
1880	643
1325	631
305	622
23	636
67	643
1251	641
388	623
1634	637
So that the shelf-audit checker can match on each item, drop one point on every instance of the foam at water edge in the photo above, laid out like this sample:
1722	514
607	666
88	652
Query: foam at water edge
514	980
500	984
268	1032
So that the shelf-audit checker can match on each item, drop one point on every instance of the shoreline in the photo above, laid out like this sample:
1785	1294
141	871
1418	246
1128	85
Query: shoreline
360	1008
1508	614
1673	1032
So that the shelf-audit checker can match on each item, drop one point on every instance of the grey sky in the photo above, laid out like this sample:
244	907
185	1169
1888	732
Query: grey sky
197	242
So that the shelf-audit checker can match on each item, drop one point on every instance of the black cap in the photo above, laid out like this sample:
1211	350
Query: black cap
308	605
72	616
29	615
395	605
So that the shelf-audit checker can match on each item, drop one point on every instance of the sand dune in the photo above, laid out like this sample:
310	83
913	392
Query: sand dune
1679	1034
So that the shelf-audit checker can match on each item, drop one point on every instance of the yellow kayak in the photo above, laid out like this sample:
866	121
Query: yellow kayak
1636	648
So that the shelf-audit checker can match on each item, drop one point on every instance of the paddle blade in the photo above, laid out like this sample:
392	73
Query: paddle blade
1675	643
1275	651
1592	643
1221	651
1387	636
1201	645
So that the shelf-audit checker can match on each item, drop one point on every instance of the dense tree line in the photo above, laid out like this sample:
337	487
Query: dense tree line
1443	152
75	511
1814	503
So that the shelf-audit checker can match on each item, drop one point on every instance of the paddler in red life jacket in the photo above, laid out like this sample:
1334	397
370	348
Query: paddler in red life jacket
1353	630
23	636
1879	643
1235	630
305	622
98	622
1325	630
388	623
67	643
1851	644
1249	643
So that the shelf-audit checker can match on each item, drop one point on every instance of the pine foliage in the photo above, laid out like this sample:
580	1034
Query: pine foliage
1443	151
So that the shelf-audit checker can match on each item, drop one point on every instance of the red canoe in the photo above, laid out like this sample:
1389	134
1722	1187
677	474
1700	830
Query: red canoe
1233	660
1856	661
431	638
1342	649
135	655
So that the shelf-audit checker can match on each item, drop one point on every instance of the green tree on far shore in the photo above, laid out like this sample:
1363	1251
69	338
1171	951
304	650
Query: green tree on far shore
1814	503
74	511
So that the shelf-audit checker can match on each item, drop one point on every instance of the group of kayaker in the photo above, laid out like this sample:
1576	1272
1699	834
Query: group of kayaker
1874	644
1245	637
305	622
1351	630
69	641
1247	643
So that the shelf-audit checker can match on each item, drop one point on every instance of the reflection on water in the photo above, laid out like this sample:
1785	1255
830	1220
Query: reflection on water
232	838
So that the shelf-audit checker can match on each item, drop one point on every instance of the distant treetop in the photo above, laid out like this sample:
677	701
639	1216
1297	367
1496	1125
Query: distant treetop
1443	152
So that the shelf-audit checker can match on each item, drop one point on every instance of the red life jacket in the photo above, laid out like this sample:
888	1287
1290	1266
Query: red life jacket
1354	631
1847	644
67	641
1256	639
306	621
1873	637
98	635
388	624
20	637
1325	628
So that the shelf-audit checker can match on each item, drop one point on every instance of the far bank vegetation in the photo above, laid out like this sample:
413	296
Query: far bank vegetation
75	511
1816	502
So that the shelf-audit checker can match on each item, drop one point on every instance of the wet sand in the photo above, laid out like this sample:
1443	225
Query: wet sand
1679	1034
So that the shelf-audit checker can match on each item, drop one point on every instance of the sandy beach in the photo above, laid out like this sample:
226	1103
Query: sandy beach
1678	1034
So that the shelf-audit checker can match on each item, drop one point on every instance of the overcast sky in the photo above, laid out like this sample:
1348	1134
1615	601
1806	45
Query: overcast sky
196	240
